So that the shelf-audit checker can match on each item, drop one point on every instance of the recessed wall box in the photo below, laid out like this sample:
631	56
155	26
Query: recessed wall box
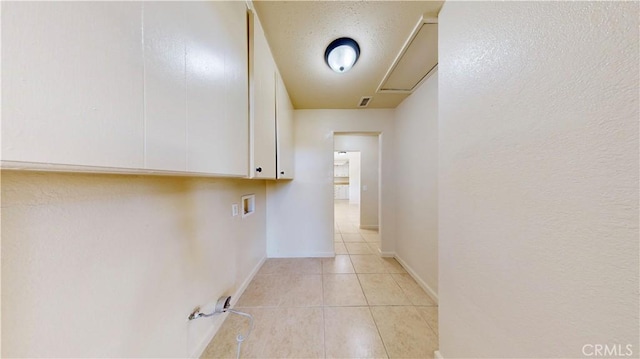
248	204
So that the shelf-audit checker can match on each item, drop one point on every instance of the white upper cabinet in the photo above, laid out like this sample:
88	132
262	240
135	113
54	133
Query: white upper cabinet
271	112
263	104
284	129
138	86
72	83
217	87
165	86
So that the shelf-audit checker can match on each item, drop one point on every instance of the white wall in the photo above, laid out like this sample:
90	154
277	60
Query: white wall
538	178
300	212
111	266
417	183
368	147
354	177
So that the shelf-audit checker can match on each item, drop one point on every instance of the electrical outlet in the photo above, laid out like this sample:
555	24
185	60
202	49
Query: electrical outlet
234	209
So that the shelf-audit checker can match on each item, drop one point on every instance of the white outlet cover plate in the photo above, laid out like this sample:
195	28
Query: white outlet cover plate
234	209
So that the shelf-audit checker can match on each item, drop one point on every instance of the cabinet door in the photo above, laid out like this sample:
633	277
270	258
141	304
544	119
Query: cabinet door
165	86
284	126
263	105
72	83
217	87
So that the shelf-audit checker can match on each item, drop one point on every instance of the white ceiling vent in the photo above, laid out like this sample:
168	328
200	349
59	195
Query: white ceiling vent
417	59
364	102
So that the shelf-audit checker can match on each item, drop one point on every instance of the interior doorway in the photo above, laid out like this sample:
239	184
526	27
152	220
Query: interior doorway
356	193
346	176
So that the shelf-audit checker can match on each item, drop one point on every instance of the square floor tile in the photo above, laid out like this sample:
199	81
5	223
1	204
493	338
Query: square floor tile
371	237
349	228
224	344
292	333
412	290
358	248
352	237
298	290
340	248
350	332
404	333
391	265
337	264
368	263
342	290
337	237
430	314
291	266
375	247
381	289
278	333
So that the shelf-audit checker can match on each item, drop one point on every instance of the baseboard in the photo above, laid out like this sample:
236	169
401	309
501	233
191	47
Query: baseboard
437	355
245	284
432	293
373	227
197	353
386	254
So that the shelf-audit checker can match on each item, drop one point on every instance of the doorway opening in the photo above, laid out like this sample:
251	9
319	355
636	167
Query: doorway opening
356	193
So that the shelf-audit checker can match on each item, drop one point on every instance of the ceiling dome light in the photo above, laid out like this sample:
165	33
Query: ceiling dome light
342	54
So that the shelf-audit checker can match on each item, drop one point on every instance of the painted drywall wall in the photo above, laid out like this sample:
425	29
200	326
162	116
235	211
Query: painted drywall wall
354	177
369	150
417	183
300	212
538	178
111	266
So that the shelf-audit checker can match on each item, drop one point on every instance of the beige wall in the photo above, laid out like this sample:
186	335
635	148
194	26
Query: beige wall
111	266
300	213
369	150
416	170
538	178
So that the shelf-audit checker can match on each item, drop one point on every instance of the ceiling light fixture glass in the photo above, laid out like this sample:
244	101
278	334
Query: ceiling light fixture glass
342	54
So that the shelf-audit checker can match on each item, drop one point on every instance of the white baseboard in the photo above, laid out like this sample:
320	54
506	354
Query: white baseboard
386	254
437	355
197	353
432	293
371	227
245	284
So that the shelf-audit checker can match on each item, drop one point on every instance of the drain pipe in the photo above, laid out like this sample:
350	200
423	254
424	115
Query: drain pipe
223	305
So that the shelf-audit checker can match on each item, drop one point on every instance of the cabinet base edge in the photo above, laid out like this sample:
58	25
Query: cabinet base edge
47	167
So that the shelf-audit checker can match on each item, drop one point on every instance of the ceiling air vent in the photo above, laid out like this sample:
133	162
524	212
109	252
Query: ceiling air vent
417	59
364	102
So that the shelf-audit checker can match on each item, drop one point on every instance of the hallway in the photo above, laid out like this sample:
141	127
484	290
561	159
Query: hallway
356	305
156	156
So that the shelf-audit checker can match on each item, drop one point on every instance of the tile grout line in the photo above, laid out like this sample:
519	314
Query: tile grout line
425	320
359	282
378	330
402	289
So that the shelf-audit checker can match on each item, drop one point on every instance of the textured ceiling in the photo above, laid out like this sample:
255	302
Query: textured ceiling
299	31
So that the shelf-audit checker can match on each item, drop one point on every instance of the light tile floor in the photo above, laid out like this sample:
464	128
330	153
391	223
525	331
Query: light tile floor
356	305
